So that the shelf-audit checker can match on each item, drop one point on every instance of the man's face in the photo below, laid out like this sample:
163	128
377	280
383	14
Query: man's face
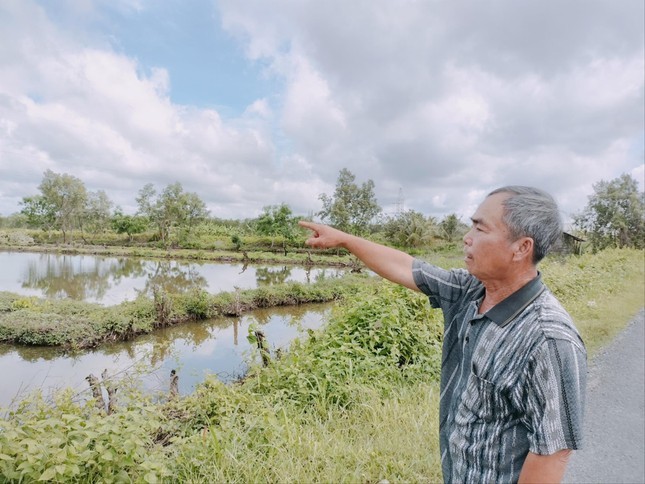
487	244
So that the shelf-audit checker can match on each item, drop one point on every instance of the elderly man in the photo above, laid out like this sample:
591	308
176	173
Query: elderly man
513	367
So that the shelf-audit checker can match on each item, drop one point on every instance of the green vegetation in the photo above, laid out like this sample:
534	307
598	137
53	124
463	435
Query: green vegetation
602	291
65	211
65	214
200	246
171	209
615	215
410	229
362	380
351	208
128	224
61	203
77	325
278	221
355	402
453	228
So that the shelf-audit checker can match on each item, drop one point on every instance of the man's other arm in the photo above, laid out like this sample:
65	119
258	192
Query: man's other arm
544	468
387	262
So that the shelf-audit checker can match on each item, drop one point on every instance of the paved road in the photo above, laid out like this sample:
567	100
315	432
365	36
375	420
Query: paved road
614	448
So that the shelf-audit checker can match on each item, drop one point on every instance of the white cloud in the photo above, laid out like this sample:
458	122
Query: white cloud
259	108
310	115
441	101
95	114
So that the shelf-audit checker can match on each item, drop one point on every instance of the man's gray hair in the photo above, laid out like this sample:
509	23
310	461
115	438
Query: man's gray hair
531	212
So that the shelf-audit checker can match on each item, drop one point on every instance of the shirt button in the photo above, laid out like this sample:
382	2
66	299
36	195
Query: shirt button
467	339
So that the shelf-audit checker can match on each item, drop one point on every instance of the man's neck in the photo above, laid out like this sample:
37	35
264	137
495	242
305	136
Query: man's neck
500	289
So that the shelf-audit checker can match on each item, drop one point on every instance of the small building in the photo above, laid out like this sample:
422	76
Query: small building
568	244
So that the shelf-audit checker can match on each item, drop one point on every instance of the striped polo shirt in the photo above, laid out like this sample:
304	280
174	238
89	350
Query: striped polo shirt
512	379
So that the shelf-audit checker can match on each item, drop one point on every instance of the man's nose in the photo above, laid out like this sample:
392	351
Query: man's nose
467	238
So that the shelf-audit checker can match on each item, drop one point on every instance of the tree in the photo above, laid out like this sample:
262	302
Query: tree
96	216
61	204
452	227
194	210
614	214
39	212
147	202
172	208
410	229
351	208
278	221
128	224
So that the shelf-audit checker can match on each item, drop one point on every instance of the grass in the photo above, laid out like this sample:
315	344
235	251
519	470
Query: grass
298	257
603	292
78	325
217	248
378	438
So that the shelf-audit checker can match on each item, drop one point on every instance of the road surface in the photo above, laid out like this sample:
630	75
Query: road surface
614	446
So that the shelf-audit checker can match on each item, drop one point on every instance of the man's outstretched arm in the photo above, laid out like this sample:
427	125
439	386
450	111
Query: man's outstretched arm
387	262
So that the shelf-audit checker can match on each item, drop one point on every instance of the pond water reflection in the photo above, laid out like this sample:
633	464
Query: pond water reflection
111	280
218	346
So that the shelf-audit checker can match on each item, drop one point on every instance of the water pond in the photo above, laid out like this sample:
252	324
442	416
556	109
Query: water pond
111	280
217	346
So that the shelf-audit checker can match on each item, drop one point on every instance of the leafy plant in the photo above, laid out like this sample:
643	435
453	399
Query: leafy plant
71	443
614	216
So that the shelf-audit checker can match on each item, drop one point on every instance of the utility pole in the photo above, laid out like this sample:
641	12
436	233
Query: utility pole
400	202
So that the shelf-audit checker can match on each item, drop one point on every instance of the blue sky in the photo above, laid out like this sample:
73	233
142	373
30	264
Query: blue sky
207	66
253	103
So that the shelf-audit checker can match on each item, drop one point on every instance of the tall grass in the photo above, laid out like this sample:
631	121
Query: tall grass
602	292
378	438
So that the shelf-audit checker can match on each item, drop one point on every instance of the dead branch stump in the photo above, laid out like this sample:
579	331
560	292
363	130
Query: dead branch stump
263	346
111	390
95	386
174	384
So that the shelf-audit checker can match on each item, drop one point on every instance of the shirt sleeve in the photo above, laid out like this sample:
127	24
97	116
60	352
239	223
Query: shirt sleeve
554	396
443	287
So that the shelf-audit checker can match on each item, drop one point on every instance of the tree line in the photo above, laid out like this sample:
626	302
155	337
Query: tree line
613	216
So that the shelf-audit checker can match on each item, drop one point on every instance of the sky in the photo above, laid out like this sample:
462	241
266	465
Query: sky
250	103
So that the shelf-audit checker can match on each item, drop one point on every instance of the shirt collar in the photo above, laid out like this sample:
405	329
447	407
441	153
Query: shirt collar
505	311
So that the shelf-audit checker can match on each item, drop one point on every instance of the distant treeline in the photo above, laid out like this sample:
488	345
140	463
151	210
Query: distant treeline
172	217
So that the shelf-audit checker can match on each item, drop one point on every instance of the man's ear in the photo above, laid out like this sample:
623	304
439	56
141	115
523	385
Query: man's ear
523	249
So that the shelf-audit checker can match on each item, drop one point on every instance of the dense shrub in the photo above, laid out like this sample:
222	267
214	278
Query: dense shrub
68	442
385	334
